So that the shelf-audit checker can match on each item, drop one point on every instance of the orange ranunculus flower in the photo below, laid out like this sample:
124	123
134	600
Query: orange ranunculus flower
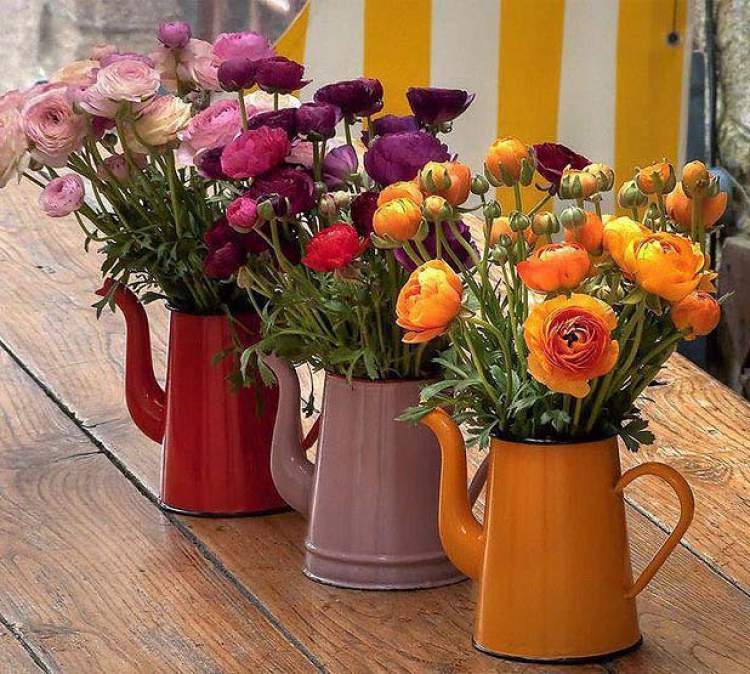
556	266
436	208
429	301
698	312
398	219
590	234
658	177
665	264
604	174
570	342
504	159
619	234
501	226
450	180
576	184
405	189
695	177
680	208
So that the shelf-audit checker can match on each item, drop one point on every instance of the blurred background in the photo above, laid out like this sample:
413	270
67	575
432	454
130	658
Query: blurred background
625	82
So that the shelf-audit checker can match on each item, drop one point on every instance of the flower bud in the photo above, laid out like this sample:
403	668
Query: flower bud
499	254
342	199
519	221
572	217
630	196
434	178
656	178
272	207
605	176
545	222
492	210
651	216
320	188
695	178
236	74
577	184
109	140
327	205
509	161
714	187
174	34
480	185
436	209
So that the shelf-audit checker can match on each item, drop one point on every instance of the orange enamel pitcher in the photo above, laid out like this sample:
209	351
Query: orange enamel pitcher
551	559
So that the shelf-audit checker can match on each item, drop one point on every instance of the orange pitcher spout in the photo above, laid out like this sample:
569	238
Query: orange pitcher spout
145	398
462	536
291	470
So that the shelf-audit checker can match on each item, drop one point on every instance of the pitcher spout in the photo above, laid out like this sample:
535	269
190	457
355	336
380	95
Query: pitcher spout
462	536
145	398
291	470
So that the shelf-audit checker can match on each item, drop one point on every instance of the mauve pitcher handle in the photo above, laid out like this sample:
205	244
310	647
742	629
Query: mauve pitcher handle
687	507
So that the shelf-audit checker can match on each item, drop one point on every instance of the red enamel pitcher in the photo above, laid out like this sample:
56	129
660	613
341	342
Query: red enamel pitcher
216	442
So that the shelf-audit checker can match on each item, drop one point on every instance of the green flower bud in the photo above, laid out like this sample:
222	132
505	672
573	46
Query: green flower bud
480	185
545	222
630	196
492	210
320	188
266	210
499	255
572	217
342	199
519	221
327	205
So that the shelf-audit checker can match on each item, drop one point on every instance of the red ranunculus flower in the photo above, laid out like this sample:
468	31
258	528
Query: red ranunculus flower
552	158
254	152
334	247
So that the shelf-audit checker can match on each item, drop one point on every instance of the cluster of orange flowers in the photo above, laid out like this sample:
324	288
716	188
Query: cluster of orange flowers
569	333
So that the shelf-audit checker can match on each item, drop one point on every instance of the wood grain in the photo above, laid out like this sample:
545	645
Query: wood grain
694	621
14	659
93	576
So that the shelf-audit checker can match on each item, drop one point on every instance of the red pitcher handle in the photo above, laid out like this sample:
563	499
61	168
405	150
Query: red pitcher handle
477	482
687	507
312	435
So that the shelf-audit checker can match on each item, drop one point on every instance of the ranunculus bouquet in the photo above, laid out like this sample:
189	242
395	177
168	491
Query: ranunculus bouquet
557	340
331	305
134	147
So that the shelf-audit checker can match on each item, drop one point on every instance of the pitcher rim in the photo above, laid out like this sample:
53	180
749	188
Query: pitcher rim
379	382
549	442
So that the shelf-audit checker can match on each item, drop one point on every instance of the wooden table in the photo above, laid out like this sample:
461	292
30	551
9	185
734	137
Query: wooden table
95	578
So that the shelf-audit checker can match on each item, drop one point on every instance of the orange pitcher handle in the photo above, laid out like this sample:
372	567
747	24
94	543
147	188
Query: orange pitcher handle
687	507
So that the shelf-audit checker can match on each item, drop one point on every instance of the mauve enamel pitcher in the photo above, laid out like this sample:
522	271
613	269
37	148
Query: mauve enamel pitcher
216	442
371	498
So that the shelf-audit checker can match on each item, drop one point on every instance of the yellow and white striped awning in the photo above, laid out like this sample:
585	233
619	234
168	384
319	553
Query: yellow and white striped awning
596	75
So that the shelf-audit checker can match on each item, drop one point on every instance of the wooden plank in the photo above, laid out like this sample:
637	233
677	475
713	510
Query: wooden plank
93	576
14	659
348	631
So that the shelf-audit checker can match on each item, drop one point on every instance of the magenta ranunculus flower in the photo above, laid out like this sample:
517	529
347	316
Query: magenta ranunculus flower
400	156
355	98
293	184
214	127
62	196
255	152
174	34
208	163
279	75
552	158
277	119
237	74
248	45
363	209
338	166
433	106
382	126
242	214
52	127
317	120
127	80
224	261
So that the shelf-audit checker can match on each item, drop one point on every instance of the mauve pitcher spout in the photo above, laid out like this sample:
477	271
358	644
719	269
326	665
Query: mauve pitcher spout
291	470
146	400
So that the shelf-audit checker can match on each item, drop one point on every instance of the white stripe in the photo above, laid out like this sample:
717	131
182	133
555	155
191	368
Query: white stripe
465	39
334	49
586	112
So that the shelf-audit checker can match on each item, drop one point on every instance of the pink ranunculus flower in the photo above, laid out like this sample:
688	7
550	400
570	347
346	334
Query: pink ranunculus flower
53	129
62	196
242	214
116	167
213	127
255	152
109	59
91	100
246	45
77	73
127	80
13	147
157	123
263	101
192	66
102	50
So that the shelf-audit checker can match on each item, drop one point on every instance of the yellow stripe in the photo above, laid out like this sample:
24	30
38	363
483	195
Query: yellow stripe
292	41
531	35
397	47
649	84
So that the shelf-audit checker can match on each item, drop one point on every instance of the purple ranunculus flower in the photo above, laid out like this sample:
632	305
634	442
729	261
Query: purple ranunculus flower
280	75
450	239
433	106
236	74
363	209
386	124
277	119
338	165
174	34
400	156
317	119
355	98
208	164
292	183
552	158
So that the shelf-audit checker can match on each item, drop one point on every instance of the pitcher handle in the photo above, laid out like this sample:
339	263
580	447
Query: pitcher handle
687	507
312	435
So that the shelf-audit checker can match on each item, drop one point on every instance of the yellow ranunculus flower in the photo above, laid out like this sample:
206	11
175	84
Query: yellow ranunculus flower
697	312
404	189
619	234
665	264
398	219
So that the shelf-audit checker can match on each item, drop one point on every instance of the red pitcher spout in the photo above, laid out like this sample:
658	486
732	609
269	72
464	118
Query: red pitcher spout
144	397
292	471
